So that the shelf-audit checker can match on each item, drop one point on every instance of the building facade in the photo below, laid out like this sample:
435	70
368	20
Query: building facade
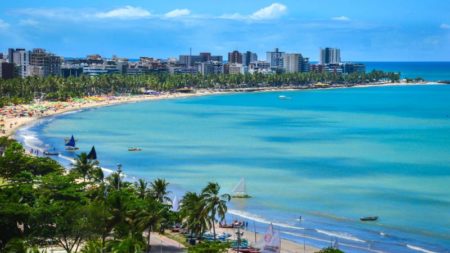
249	57
330	56
276	59
234	57
49	64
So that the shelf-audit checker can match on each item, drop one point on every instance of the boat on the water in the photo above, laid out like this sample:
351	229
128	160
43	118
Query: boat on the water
70	145
92	154
240	190
134	149
283	97
48	153
67	139
369	218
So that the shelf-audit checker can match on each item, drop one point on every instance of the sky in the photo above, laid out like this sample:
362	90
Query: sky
365	30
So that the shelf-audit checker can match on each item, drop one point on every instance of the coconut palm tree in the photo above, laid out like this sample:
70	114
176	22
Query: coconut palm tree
191	209
141	187
85	166
159	190
214	204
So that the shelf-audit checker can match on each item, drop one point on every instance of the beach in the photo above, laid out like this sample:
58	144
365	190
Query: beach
14	116
188	134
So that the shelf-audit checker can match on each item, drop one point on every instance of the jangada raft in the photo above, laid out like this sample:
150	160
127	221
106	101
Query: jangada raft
70	145
240	190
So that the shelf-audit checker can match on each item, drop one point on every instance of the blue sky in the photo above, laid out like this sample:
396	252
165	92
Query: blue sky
377	30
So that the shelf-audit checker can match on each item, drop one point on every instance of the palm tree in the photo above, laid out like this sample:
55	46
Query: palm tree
192	212
85	166
141	187
150	217
214	204
159	190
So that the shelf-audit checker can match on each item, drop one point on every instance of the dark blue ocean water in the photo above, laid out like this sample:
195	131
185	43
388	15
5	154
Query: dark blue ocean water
430	71
330	156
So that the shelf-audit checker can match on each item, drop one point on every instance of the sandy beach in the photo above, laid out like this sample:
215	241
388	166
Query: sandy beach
14	116
286	245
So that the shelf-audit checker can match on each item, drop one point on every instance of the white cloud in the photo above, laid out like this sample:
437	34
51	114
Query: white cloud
3	24
177	13
445	26
341	18
127	12
272	11
275	10
28	22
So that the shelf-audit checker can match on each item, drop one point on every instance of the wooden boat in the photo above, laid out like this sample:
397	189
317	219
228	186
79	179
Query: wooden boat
240	190
134	149
70	145
48	153
93	154
369	218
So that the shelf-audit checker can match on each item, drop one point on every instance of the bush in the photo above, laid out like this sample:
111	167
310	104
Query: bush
209	247
330	250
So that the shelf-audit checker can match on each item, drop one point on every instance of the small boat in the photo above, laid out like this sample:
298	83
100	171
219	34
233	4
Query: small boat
134	149
70	145
67	139
93	154
283	97
240	190
369	218
51	153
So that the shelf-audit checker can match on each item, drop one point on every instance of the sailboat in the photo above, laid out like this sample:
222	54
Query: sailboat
70	145
240	190
93	154
271	242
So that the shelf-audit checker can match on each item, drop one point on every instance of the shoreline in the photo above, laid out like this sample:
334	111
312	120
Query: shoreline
12	124
76	106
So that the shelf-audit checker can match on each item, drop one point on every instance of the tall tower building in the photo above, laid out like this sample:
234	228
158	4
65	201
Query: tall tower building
44	63
275	59
330	56
21	59
249	57
294	63
234	57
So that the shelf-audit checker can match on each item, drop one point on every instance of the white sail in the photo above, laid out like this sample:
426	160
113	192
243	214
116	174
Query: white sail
240	189
175	204
271	243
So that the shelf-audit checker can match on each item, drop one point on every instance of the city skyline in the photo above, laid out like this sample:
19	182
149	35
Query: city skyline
371	31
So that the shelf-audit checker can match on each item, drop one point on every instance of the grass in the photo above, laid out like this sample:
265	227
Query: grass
176	237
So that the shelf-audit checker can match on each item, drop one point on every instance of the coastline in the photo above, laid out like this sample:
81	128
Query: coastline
295	247
11	123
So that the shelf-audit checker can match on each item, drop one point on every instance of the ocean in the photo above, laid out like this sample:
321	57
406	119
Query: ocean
430	71
330	156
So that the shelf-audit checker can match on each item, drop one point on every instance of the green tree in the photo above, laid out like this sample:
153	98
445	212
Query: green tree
215	204
159	190
86	168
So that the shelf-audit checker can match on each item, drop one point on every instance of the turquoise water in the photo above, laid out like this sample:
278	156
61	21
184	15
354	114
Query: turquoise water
330	156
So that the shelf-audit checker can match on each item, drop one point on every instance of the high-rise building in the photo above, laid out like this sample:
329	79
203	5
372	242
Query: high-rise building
210	67
7	70
205	56
275	59
294	63
234	57
249	57
330	56
21	58
49	64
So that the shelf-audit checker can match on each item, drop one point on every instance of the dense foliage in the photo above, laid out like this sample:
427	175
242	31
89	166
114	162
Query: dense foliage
41	205
22	90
